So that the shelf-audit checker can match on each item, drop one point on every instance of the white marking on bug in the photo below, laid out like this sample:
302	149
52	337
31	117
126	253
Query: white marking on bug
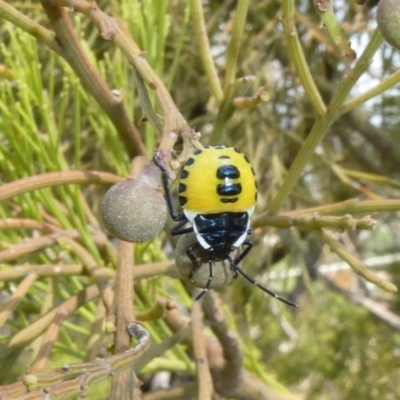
202	242
191	215
240	240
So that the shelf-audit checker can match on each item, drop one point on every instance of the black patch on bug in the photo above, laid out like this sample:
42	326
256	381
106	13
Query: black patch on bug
219	147
207	147
252	170
190	161
184	174
182	200
237	151
198	151
246	159
232	189
223	157
229	200
182	188
255	197
228	171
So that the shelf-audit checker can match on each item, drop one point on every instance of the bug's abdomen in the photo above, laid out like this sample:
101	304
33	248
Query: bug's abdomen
217	179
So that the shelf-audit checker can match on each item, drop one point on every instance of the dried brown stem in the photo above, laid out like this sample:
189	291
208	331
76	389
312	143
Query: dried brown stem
11	304
230	379
96	333
45	271
150	270
110	29
124	383
49	339
157	350
25	223
205	388
35	244
36	328
90	79
52	179
232	353
74	379
103	281
123	301
181	392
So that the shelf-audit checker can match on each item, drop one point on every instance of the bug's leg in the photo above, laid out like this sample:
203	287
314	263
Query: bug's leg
209	280
244	253
177	229
234	264
196	265
164	178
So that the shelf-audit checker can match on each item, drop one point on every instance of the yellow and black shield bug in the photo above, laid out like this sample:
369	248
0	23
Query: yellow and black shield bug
218	193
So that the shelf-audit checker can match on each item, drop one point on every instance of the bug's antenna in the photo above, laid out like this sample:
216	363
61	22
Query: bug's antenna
253	281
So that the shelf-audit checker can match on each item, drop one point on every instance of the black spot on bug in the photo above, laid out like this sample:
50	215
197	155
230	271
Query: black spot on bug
255	197
228	171
237	151
229	190
223	157
184	174
246	159
229	200
182	188
252	170
182	200
198	151
219	147
190	161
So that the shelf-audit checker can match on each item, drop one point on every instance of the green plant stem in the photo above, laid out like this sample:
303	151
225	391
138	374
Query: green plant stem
352	206
298	59
358	266
388	83
204	49
352	77
323	123
335	31
314	221
239	21
306	152
145	103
